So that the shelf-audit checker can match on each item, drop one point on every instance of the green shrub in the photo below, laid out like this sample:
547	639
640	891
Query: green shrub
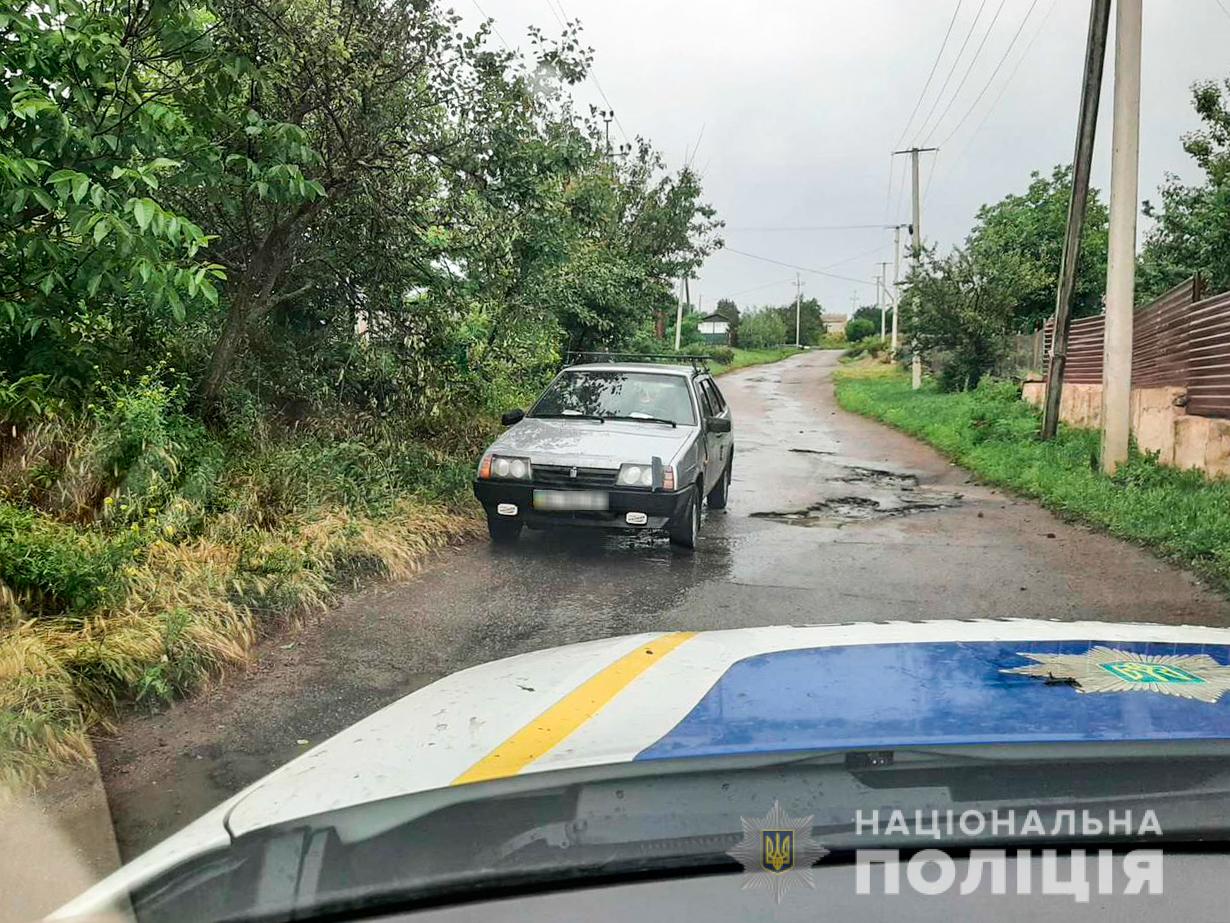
859	328
720	354
57	570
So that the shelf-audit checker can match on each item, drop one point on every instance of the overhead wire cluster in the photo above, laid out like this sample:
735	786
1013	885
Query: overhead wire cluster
936	129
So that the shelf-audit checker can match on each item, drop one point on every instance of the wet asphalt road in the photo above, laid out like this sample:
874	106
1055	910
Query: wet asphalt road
832	518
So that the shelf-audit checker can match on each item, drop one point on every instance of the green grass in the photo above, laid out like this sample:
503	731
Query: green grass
746	357
1179	514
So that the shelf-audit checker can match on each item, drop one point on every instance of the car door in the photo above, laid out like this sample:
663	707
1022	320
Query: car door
716	444
726	441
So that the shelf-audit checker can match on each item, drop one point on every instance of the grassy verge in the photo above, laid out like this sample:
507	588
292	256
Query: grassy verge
1179	514
141	557
746	357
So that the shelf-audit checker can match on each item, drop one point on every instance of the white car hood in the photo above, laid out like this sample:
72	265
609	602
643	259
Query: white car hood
668	695
591	444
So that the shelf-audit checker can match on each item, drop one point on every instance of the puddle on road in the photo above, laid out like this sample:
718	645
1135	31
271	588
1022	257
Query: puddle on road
841	510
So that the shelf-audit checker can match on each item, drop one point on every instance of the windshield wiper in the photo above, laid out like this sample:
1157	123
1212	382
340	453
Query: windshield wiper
568	416
645	419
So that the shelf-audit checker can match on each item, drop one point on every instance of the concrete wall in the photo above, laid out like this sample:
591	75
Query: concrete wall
1159	424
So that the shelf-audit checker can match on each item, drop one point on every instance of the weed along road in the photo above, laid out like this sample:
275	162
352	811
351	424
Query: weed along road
832	518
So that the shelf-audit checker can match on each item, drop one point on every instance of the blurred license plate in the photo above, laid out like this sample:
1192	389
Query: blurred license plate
570	500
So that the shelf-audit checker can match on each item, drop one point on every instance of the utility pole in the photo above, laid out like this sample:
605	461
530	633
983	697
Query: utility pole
1082	161
881	297
896	283
607	115
679	316
916	228
798	306
1121	255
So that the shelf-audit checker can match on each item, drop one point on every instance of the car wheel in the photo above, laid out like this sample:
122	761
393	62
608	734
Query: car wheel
503	531
717	496
686	530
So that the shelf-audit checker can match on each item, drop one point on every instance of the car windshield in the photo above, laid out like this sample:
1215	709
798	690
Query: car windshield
683	816
625	395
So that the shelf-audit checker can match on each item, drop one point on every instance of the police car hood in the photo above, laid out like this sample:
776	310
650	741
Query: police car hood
744	691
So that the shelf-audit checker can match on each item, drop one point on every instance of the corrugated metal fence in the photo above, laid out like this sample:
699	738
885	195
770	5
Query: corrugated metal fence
1178	340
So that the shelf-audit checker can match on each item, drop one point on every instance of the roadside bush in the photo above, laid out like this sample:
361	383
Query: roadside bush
761	330
54	569
720	354
859	328
869	346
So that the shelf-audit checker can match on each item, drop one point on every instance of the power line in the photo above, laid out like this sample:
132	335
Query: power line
858	256
1004	86
756	288
562	18
1224	8
818	272
968	70
806	227
927	85
952	70
494	28
994	73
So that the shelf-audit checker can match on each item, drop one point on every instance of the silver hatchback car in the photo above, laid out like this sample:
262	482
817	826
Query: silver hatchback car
614	442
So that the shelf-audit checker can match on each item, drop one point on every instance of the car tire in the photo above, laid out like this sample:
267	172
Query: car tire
717	497
685	531
503	531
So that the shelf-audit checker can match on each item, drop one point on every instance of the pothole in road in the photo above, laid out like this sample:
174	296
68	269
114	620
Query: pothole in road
840	510
877	477
813	451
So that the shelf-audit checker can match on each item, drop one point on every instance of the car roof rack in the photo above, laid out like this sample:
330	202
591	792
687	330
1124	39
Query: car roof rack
699	363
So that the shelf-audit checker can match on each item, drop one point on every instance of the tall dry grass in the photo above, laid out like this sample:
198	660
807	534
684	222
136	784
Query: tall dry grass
192	610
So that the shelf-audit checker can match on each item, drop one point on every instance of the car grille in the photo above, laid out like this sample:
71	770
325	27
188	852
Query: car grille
561	476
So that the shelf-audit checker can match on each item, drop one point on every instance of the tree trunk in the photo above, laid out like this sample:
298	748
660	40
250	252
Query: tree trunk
224	354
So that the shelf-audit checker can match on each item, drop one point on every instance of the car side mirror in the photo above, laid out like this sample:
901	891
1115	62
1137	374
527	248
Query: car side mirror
509	417
718	424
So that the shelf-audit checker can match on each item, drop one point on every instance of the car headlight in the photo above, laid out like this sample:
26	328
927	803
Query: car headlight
509	467
635	476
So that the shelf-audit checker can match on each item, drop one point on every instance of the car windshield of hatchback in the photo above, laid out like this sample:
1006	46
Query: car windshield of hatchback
622	395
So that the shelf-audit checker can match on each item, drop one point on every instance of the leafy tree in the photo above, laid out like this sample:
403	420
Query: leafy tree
1026	231
729	310
761	329
859	328
1191	230
94	258
963	310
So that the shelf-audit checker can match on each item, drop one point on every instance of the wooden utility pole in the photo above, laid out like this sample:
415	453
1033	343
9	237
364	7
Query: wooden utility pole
1121	255
1082	161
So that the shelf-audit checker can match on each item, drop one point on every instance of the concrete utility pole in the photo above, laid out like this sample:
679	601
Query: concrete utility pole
896	283
679	315
798	305
881	297
1082	162
916	227
1121	255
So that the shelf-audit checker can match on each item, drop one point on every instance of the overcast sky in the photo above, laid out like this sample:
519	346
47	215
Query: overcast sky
790	108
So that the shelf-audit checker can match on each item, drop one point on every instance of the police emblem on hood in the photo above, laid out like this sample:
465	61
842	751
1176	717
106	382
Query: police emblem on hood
1107	669
777	852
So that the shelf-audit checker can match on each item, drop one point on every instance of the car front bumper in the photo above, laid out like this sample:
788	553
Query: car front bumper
659	506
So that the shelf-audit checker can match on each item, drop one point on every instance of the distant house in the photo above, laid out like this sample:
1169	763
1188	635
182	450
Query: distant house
834	323
715	328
